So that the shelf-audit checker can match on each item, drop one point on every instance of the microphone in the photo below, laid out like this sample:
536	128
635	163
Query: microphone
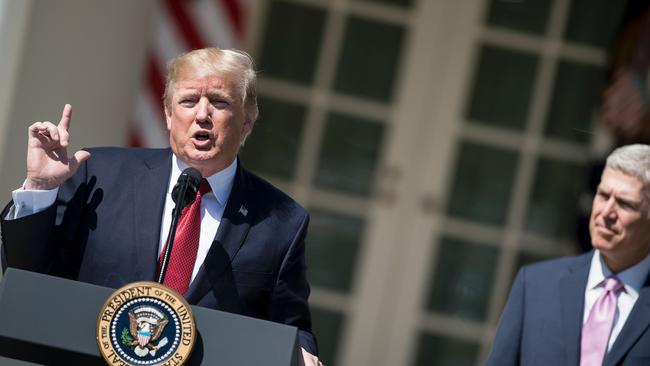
185	189
183	194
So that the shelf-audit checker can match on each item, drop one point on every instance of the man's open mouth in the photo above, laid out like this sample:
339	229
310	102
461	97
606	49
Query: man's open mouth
202	136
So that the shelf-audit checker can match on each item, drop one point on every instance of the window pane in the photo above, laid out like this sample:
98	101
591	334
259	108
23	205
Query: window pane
368	61
327	326
332	249
403	3
594	22
526	258
463	279
292	38
575	96
349	154
524	15
272	148
482	183
437	350
502	87
553	207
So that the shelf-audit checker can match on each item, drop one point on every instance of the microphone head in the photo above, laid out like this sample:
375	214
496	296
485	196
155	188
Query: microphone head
193	175
188	182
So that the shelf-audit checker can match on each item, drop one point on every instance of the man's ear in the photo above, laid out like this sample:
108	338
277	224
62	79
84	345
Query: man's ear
248	127
168	118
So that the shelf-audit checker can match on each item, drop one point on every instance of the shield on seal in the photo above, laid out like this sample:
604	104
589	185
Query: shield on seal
143	336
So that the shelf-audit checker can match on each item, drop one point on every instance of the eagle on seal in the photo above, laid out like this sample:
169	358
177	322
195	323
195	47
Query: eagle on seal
145	327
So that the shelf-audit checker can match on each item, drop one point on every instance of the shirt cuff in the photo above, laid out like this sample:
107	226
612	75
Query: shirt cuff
309	359
31	201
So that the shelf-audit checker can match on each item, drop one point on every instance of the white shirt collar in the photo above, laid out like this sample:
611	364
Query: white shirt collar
632	278
220	182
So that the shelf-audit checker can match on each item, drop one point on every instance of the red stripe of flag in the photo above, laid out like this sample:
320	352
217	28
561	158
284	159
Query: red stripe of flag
134	137
234	9
184	24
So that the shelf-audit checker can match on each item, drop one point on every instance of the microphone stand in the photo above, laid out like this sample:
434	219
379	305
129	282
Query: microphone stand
188	182
183	194
176	214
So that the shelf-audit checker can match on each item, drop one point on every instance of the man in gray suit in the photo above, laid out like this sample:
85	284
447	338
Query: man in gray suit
592	309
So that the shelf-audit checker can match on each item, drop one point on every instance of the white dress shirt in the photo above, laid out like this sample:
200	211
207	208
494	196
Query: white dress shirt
27	202
632	278
212	207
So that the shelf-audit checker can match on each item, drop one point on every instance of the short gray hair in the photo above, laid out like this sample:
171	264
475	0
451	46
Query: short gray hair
632	160
209	61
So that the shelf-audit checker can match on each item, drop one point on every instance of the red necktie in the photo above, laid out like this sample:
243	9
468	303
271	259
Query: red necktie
186	244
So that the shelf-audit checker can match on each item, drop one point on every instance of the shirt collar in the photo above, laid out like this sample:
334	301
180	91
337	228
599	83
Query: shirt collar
220	182
633	278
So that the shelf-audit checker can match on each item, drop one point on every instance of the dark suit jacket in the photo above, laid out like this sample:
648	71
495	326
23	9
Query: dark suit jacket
105	226
542	321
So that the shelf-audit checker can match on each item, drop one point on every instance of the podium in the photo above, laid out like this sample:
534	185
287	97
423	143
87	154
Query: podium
52	321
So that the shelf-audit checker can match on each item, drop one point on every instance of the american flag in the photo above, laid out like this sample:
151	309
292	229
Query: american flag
180	26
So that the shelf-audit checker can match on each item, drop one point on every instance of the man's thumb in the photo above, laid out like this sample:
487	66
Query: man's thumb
76	160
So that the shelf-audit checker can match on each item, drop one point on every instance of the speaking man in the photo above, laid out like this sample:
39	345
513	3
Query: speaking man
102	215
593	309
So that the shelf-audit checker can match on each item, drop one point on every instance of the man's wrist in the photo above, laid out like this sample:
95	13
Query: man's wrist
39	184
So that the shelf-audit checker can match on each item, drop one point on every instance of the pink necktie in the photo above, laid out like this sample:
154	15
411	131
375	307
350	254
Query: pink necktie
186	244
596	331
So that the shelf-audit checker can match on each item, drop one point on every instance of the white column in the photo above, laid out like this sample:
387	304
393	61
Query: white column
89	53
14	18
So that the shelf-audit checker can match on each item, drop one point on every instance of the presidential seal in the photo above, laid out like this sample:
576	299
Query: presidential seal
145	323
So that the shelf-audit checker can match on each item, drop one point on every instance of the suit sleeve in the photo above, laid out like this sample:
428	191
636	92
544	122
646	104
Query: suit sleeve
288	303
506	347
45	241
26	241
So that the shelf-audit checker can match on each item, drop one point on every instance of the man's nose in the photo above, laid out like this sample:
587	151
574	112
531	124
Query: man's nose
204	110
609	210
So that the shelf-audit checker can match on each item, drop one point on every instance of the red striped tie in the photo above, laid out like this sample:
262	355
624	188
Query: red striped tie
186	244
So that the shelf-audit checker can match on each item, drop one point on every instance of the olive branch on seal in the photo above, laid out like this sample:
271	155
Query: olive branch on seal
127	339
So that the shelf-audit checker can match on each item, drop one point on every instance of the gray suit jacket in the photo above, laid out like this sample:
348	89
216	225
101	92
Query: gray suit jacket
542	321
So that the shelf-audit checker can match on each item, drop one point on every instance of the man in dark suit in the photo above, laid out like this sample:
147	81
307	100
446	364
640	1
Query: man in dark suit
102	215
593	309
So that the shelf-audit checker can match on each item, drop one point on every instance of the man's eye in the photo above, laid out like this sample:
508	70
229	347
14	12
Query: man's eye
630	206
187	102
220	104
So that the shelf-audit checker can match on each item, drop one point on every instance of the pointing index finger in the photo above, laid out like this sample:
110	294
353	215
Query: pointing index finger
65	117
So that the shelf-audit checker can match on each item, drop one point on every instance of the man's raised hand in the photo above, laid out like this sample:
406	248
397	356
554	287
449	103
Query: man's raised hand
48	164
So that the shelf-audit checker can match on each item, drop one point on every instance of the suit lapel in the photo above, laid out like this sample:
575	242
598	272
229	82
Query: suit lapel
572	298
635	325
236	220
233	228
199	286
150	189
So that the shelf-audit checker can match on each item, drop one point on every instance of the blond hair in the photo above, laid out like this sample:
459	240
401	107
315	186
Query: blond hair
234	64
